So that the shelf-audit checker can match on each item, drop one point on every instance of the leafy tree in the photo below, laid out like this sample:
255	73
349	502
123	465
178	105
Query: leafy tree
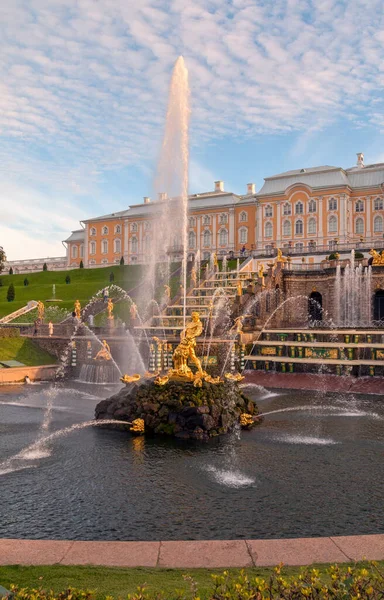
45	267
122	261
26	282
10	271
81	265
11	293
67	279
112	276
2	258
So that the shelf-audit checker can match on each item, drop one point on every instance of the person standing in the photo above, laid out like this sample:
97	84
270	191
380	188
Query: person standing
50	328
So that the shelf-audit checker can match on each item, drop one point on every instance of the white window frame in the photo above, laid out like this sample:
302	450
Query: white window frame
134	227
333	219
268	226
81	250
207	235
268	211
223	220
92	247
378	204
104	230
300	204
332	204
243	235
191	236
92	231
104	246
134	243
117	228
74	251
359	206
287	209
312	220
223	233
206	219
302	227
312	206
378	219
243	217
357	225
287	225
117	246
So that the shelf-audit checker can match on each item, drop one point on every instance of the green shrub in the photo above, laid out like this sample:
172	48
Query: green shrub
338	583
111	276
11	293
359	255
45	267
81	265
122	261
10	271
333	256
26	282
67	279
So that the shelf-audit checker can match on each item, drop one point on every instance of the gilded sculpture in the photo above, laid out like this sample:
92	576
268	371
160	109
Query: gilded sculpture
130	378
193	276
133	311
104	353
40	310
77	309
110	308
186	350
167	292
378	257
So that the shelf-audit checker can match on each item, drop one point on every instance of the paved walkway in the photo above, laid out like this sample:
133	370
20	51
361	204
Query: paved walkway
193	554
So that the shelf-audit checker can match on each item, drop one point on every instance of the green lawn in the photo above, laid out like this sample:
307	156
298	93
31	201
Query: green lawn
84	284
25	351
119	582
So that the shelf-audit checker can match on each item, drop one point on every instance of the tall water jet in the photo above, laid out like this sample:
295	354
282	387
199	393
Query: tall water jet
353	302
171	182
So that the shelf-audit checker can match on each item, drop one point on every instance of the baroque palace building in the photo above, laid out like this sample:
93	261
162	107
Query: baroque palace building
314	210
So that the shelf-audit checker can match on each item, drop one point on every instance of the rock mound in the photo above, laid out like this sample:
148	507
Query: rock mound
180	409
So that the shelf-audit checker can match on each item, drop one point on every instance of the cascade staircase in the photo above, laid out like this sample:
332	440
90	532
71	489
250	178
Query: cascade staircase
18	313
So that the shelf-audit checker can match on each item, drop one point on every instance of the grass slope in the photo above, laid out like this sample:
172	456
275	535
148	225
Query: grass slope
119	582
84	284
25	351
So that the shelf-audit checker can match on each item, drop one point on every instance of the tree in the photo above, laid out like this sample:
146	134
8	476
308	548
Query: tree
26	282
10	271
122	261
11	293
45	267
2	258
67	279
81	265
112	276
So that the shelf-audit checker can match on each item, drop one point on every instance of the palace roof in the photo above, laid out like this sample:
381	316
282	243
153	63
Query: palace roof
76	236
325	176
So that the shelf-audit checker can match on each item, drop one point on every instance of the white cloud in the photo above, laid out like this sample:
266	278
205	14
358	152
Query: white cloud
84	84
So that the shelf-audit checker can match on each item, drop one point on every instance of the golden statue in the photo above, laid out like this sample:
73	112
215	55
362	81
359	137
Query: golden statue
40	310
78	309
110	308
104	353
260	274
234	377
378	257
167	291
137	426
130	378
215	261
280	257
193	276
186	349
237	327
133	310
161	380
239	289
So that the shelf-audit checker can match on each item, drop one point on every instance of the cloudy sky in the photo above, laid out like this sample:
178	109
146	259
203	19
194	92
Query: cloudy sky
275	85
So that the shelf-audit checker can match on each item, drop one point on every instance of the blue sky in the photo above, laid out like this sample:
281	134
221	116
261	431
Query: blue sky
275	85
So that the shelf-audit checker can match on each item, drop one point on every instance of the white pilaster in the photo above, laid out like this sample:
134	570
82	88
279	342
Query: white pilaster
199	241
126	243
214	239
231	228
320	224
86	245
368	212
278	221
259	230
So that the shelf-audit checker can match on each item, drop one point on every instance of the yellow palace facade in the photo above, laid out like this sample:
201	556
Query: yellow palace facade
309	210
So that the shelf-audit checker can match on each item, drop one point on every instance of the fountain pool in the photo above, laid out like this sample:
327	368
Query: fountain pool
312	468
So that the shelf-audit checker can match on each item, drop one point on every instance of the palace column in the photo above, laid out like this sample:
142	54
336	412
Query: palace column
258	226
126	247
214	218
198	241
368	209
86	245
231	228
278	224
321	219
343	217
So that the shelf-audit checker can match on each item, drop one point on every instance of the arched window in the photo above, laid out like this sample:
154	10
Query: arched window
312	226
147	244
104	247
118	229
206	220
359	226
243	216
105	230
287	210
134	245
268	229
92	248
312	206
81	250
93	231
74	251
207	238
299	227
332	204
192	222
332	224
379	204
268	211
359	206
191	239
243	235
117	246
299	208
223	219
133	227
147	225
378	224
287	228
223	237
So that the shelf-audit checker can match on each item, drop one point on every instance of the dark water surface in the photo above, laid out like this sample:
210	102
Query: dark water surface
314	471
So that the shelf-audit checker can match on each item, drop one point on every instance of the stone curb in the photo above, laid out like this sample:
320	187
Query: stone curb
193	554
